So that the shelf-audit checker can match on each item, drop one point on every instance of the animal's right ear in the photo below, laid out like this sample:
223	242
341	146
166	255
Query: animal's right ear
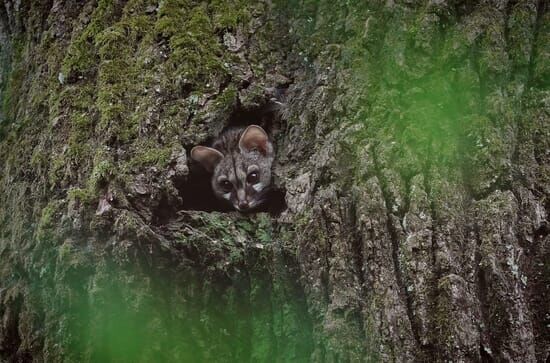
207	156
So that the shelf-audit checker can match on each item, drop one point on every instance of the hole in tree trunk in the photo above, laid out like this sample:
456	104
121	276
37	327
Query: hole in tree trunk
197	193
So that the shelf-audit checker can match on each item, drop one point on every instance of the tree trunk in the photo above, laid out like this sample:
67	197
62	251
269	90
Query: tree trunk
413	156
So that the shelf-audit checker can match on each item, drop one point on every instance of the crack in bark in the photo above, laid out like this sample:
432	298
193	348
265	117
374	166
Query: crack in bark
327	253
395	253
541	10
357	250
507	13
482	296
436	271
399	278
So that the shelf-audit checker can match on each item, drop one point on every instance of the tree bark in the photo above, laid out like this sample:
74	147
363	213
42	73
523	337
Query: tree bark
413	152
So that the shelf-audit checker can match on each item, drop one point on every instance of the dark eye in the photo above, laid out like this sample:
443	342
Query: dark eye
226	185
252	177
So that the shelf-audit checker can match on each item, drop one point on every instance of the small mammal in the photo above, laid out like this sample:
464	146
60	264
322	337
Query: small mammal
240	162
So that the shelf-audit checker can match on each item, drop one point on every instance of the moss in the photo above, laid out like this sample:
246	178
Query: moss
521	21
57	166
493	59
48	219
103	171
10	94
72	259
227	100
541	65
38	158
150	154
118	71
264	230
81	55
196	53
228	15
72	108
79	137
16	75
82	195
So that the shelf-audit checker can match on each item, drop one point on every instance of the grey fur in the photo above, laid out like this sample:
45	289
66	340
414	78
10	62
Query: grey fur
245	151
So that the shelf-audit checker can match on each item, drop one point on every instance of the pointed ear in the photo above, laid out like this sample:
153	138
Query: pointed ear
255	138
207	156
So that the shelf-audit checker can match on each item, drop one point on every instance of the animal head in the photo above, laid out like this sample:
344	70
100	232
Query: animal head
240	163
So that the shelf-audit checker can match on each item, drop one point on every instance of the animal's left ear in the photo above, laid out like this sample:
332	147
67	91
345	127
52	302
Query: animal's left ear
255	138
207	156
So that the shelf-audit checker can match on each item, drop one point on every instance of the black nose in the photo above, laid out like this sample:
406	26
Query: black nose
243	204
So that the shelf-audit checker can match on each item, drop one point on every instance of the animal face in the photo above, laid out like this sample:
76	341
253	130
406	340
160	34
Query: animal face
240	162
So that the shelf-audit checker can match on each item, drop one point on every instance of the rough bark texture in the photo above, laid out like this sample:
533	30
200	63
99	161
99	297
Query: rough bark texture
414	151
